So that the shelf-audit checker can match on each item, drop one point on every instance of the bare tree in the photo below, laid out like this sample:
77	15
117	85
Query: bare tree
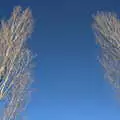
107	31
15	66
13	35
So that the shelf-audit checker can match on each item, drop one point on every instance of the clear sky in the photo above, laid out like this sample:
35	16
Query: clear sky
69	82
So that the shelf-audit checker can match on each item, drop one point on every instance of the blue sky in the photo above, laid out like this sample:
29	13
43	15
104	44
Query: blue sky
69	82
